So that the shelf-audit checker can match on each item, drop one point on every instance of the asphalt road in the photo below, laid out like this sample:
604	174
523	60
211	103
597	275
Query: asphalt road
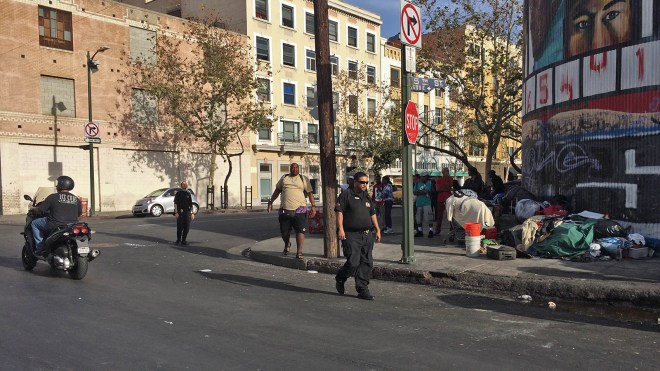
147	304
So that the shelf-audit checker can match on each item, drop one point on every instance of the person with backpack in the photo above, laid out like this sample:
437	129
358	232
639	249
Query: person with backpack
295	189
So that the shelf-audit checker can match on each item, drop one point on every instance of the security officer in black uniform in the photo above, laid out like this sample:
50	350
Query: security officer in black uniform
183	211
356	217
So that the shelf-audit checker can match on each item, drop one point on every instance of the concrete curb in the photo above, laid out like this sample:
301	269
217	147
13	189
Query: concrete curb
549	288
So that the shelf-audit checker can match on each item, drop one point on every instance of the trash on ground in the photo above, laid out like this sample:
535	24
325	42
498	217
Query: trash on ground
312	271
552	305
525	297
204	270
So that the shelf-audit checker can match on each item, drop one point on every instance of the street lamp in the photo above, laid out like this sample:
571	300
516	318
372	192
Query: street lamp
92	66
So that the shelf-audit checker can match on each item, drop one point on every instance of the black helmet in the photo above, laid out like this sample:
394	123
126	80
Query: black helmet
64	182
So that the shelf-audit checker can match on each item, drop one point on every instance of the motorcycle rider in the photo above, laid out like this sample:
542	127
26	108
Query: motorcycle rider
61	209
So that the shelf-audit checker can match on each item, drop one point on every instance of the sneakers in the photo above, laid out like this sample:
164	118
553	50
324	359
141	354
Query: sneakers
340	287
430	234
177	242
419	234
365	295
388	230
184	243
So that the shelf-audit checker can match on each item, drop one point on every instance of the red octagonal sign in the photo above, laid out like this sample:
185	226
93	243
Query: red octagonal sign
412	122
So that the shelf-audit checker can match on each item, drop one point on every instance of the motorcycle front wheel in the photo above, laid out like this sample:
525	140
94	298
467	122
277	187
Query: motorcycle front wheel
29	260
80	270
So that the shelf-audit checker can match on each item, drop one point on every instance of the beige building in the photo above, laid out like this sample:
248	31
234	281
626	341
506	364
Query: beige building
282	35
44	107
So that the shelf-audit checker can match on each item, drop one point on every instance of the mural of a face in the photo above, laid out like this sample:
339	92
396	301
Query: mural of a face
593	24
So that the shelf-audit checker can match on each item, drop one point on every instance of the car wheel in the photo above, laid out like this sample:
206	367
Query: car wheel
156	210
195	208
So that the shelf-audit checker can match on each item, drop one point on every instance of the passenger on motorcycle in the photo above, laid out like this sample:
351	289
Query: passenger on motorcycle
61	208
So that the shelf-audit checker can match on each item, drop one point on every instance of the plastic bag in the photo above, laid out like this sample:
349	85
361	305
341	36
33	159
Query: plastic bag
612	244
526	208
637	239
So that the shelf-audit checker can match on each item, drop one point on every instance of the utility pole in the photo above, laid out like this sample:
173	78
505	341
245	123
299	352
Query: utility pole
327	128
408	242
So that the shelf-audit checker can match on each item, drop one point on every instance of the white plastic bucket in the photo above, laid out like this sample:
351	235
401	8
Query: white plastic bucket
472	246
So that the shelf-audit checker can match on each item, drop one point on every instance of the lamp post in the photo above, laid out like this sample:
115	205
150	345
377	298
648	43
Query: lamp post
92	66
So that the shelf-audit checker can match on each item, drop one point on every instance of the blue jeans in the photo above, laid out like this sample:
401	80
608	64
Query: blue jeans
40	230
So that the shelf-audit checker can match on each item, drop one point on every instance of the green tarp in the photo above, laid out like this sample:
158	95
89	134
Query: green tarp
567	240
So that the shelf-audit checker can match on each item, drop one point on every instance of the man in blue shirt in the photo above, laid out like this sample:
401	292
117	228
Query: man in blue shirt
424	213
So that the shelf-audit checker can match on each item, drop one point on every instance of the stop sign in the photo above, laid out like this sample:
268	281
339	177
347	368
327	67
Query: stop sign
412	122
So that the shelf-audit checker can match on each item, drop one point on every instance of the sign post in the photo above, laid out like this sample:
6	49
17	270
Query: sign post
411	37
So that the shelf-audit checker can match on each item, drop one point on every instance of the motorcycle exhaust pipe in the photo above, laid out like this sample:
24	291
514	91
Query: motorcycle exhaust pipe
92	255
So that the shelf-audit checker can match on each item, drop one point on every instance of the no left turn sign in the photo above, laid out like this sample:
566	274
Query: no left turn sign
91	130
411	25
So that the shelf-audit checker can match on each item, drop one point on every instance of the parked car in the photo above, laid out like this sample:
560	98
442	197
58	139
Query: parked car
160	201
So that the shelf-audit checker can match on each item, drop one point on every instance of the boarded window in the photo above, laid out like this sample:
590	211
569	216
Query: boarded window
58	97
143	46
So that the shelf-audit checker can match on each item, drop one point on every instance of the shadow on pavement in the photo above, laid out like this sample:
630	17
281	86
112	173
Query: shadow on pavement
591	313
251	281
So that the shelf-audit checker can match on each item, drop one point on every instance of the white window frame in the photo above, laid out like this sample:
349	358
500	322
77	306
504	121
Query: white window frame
375	105
295	52
367	73
336	21
307	86
270	48
366	42
357	101
281	126
268	12
357	36
307	60
348	68
332	65
293	9
295	91
317	133
306	14
270	90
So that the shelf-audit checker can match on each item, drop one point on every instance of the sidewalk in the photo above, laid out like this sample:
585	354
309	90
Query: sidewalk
446	265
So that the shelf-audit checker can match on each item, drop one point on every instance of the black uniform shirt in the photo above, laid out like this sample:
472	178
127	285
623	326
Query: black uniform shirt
183	200
63	208
357	209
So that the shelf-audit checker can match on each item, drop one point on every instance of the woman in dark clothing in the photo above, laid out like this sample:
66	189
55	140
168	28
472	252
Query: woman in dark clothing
475	182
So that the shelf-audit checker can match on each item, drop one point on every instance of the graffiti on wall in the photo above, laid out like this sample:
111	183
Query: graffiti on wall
591	106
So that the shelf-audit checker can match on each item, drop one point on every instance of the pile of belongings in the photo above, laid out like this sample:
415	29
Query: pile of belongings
464	206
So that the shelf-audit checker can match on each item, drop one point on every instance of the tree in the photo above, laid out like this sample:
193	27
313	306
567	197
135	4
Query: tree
204	82
367	118
477	48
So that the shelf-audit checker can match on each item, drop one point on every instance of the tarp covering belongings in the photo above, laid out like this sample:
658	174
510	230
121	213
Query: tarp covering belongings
567	240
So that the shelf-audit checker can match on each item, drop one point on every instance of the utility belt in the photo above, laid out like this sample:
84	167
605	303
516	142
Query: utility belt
361	231
181	211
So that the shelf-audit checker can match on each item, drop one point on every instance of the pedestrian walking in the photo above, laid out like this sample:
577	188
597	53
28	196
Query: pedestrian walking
183	212
295	189
356	216
443	186
388	197
379	201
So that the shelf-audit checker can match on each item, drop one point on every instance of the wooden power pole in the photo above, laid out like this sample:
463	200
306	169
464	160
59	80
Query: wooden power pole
327	128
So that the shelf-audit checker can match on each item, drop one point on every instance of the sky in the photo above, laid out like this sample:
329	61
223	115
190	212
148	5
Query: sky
388	11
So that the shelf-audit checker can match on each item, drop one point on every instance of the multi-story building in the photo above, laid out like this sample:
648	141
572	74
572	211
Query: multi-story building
282	36
45	106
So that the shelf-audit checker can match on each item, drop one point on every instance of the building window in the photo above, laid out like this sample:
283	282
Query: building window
313	133
142	45
353	104
144	108
336	137
371	106
309	23
438	116
290	131
334	64
55	28
395	77
264	134
287	16
371	42
263	49
352	36
263	90
332	31
289	55
58	97
261	9
311	97
289	93
476	150
371	74
335	100
310	60
352	70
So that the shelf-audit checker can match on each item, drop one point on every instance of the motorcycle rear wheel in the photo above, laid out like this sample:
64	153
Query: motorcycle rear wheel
29	260
80	269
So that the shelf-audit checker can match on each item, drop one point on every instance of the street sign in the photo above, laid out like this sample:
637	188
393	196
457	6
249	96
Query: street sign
91	130
412	122
411	25
92	140
426	85
411	60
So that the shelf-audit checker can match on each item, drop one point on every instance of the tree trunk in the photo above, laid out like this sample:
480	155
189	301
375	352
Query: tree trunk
225	194
327	128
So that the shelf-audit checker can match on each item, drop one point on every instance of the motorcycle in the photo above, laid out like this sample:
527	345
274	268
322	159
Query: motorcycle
66	249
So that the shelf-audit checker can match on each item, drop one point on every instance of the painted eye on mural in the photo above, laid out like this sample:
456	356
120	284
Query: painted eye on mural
610	16
582	23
